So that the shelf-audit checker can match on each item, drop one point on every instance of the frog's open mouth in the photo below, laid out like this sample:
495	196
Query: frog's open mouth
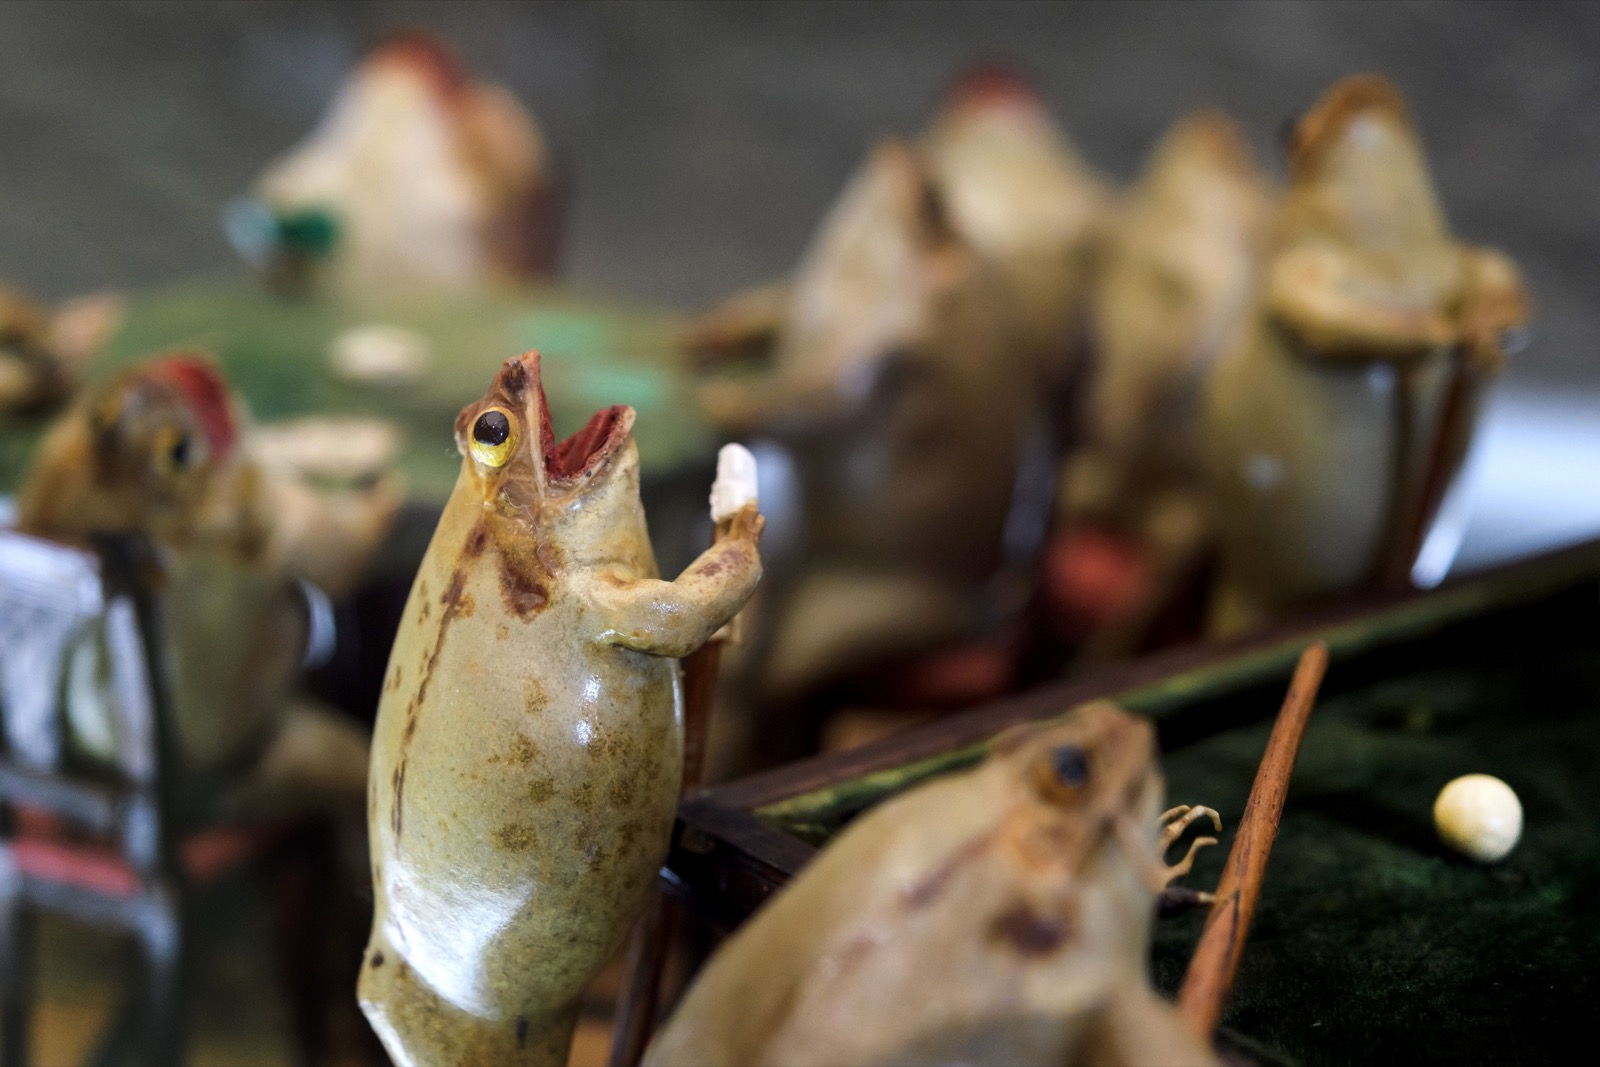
581	453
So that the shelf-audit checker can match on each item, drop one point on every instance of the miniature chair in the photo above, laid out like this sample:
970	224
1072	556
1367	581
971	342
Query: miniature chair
99	844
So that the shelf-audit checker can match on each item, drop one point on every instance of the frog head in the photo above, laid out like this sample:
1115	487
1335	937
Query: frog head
1358	170
1068	865
881	265
153	445
580	493
1084	791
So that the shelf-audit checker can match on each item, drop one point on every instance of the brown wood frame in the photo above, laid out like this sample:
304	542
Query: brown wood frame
726	859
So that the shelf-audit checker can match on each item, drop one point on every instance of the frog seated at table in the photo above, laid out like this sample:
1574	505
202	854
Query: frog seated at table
996	916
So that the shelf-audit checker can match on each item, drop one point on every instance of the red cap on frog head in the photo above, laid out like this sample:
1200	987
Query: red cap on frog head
990	85
206	391
428	55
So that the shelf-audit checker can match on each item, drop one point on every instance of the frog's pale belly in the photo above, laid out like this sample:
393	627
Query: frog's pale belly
1301	460
522	785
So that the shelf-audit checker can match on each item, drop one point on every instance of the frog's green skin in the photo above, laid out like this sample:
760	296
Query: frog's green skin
529	741
1366	304
999	916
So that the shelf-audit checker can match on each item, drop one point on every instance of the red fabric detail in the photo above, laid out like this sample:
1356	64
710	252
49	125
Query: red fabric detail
1095	575
44	850
987	84
429	56
964	674
87	866
203	386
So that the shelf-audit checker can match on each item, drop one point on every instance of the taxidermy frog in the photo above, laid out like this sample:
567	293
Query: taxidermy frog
1019	193
417	177
1336	422
996	916
43	351
1178	275
905	395
1006	182
529	743
162	450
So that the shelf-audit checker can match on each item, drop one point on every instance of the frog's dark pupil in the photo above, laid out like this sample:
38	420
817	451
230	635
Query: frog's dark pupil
492	428
180	451
1070	765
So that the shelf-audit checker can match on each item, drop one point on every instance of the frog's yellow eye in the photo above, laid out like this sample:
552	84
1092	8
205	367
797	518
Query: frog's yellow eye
493	438
1062	773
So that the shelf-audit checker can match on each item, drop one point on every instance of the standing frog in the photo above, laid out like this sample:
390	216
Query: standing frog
529	742
1335	422
998	916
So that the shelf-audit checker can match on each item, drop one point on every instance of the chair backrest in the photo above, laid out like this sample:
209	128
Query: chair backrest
77	628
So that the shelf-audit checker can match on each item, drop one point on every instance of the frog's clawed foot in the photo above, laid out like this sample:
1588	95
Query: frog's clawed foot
1173	823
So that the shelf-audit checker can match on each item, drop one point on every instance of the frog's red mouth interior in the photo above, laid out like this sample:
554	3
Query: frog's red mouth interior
578	454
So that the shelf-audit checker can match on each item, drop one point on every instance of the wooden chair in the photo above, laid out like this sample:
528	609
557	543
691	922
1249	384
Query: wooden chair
96	842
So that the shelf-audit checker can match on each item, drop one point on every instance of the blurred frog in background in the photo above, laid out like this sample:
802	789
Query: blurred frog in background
912	368
163	449
1173	288
1335	423
1018	192
904	391
43	351
1000	915
1178	274
417	178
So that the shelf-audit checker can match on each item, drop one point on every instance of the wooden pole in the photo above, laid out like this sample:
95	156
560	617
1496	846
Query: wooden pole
1216	958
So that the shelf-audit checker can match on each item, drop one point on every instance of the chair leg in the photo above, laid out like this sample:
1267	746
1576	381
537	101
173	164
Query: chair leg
16	969
300	904
163	941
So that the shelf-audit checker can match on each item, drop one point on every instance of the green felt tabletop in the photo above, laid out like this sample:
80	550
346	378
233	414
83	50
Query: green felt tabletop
596	353
1372	941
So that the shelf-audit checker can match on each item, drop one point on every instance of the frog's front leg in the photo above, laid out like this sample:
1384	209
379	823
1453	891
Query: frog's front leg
675	618
1174	822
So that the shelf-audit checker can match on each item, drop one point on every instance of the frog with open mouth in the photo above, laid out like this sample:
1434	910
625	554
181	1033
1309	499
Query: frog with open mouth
997	916
529	741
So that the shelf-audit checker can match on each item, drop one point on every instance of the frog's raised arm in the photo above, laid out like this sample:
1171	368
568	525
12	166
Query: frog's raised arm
1309	294
675	618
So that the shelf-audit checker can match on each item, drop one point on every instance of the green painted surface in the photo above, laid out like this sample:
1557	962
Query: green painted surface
275	352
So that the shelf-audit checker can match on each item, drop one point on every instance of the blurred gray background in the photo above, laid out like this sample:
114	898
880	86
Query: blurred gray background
703	140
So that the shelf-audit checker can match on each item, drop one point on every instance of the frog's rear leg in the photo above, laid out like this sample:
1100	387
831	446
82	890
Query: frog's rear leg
417	1026
1173	823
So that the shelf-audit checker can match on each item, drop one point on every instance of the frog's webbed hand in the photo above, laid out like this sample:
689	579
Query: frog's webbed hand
675	618
1311	294
1173	823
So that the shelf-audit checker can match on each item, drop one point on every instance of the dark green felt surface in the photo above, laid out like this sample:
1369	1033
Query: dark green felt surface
595	354
1371	940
